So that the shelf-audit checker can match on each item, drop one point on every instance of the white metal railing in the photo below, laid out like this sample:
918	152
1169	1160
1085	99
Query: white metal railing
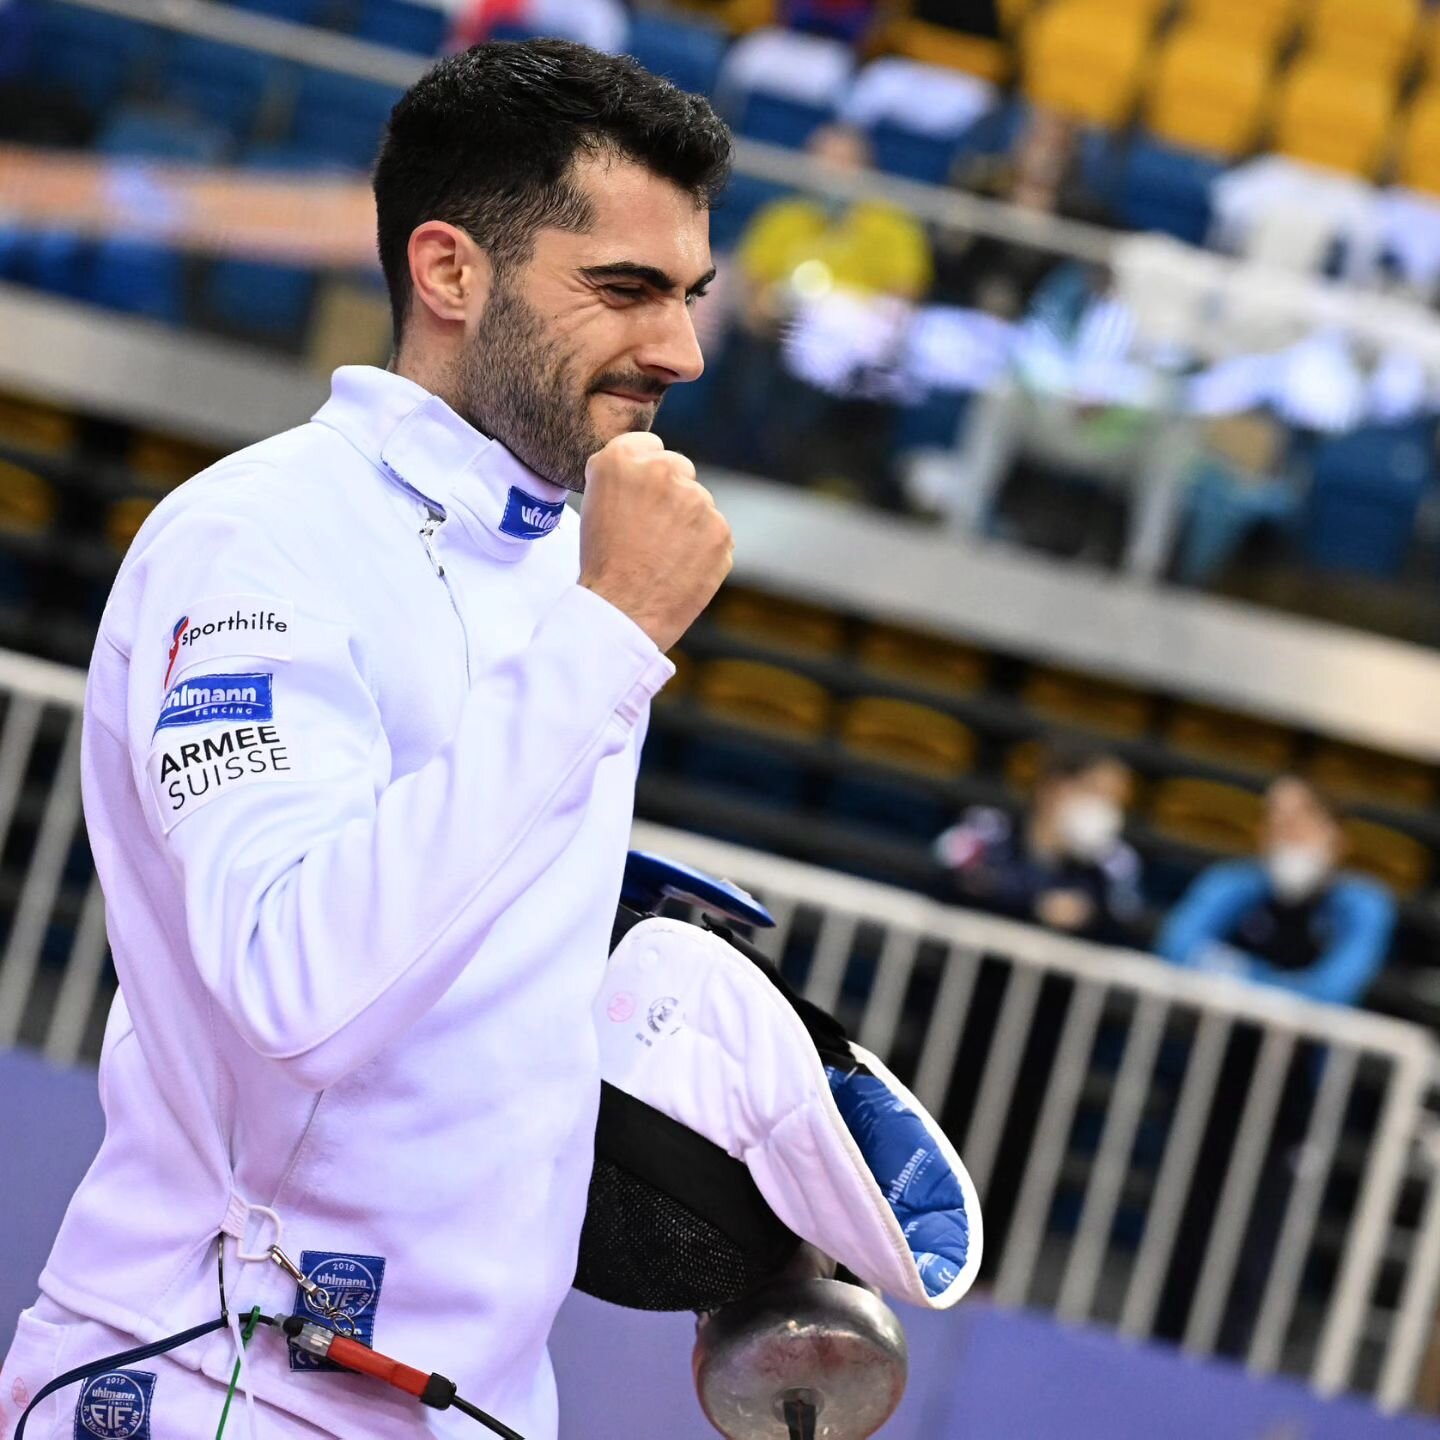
913	978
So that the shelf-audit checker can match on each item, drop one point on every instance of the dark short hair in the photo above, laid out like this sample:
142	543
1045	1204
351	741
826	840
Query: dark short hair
1068	760
486	139
1322	800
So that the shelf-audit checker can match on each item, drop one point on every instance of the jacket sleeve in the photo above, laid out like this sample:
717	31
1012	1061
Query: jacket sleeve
1207	914
1364	916
329	905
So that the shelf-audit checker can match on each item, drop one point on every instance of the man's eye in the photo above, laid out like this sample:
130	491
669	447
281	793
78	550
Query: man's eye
626	292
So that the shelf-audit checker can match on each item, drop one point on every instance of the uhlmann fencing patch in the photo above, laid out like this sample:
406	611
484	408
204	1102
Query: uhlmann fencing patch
115	1406
204	699
353	1284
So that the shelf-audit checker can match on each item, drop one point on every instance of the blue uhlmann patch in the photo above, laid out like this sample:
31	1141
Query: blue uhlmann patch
115	1406
353	1284
528	518
206	698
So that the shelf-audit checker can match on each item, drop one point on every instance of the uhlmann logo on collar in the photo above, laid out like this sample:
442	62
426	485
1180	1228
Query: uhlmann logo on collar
528	518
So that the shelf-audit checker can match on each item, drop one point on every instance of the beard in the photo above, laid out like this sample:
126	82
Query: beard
517	384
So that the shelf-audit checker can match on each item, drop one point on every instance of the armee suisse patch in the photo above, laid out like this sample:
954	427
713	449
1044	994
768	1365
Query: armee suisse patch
353	1284
115	1406
228	627
187	774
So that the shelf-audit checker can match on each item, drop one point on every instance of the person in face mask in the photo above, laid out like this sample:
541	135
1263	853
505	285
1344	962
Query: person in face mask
1290	918
1064	865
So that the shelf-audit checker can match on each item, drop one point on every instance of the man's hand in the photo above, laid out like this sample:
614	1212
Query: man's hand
652	542
1065	909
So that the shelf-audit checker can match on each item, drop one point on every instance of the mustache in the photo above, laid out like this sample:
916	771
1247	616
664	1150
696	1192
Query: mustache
631	384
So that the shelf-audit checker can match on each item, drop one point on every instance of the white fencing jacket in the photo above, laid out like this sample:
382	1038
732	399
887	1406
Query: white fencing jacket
359	765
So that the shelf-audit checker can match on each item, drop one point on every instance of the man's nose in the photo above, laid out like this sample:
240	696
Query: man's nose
672	351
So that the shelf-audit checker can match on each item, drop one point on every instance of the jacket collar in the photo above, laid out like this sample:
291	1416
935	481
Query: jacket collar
416	439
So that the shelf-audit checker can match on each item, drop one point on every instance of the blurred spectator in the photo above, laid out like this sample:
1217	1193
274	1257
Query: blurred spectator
801	262
806	243
1041	173
1064	865
1291	918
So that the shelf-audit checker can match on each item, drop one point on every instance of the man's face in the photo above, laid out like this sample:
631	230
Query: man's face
579	344
1294	818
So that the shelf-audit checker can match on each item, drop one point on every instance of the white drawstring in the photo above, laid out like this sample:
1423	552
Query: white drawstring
236	1224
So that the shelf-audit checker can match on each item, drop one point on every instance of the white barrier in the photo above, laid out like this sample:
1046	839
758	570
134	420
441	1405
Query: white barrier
958	1003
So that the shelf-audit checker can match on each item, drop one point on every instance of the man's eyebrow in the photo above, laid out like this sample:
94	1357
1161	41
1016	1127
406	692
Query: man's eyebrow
650	275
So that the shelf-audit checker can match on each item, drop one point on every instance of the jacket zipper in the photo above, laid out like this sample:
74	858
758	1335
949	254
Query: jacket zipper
433	521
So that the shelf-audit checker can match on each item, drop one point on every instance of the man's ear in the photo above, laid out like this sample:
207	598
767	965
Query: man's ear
449	273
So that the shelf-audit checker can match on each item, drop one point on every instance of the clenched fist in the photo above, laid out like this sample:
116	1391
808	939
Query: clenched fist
652	542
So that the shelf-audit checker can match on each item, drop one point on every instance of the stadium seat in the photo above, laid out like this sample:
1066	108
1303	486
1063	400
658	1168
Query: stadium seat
148	133
941	665
139	278
224	83
1350	772
763	697
1262	22
1207	814
1365	492
1330	113
403	25
778	86
57	261
1387	855
916	114
161	462
88	54
258	301
1418	157
681	681
737	16
688	52
1166	189
1231	739
777	623
43	429
899	732
124	518
1086	61
1377	33
340	117
985	59
28	503
1207	92
1086	703
298	12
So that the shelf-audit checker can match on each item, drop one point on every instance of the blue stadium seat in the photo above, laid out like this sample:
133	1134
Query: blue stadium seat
685	51
342	118
898	806
56	261
1364	494
223	83
88	54
139	278
1167	189
403	25
744	195
161	135
917	157
260	302
780	120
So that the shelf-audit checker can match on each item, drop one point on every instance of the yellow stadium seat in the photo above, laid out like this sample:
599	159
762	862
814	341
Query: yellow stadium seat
1087	704
1229	738
1332	113
1207	814
1084	59
164	462
925	659
680	681
41	428
1418	161
1257	22
1208	91
736	15
1379	33
777	623
939	45
916	737
1352	773
764	697
1387	855
124	519
28	503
